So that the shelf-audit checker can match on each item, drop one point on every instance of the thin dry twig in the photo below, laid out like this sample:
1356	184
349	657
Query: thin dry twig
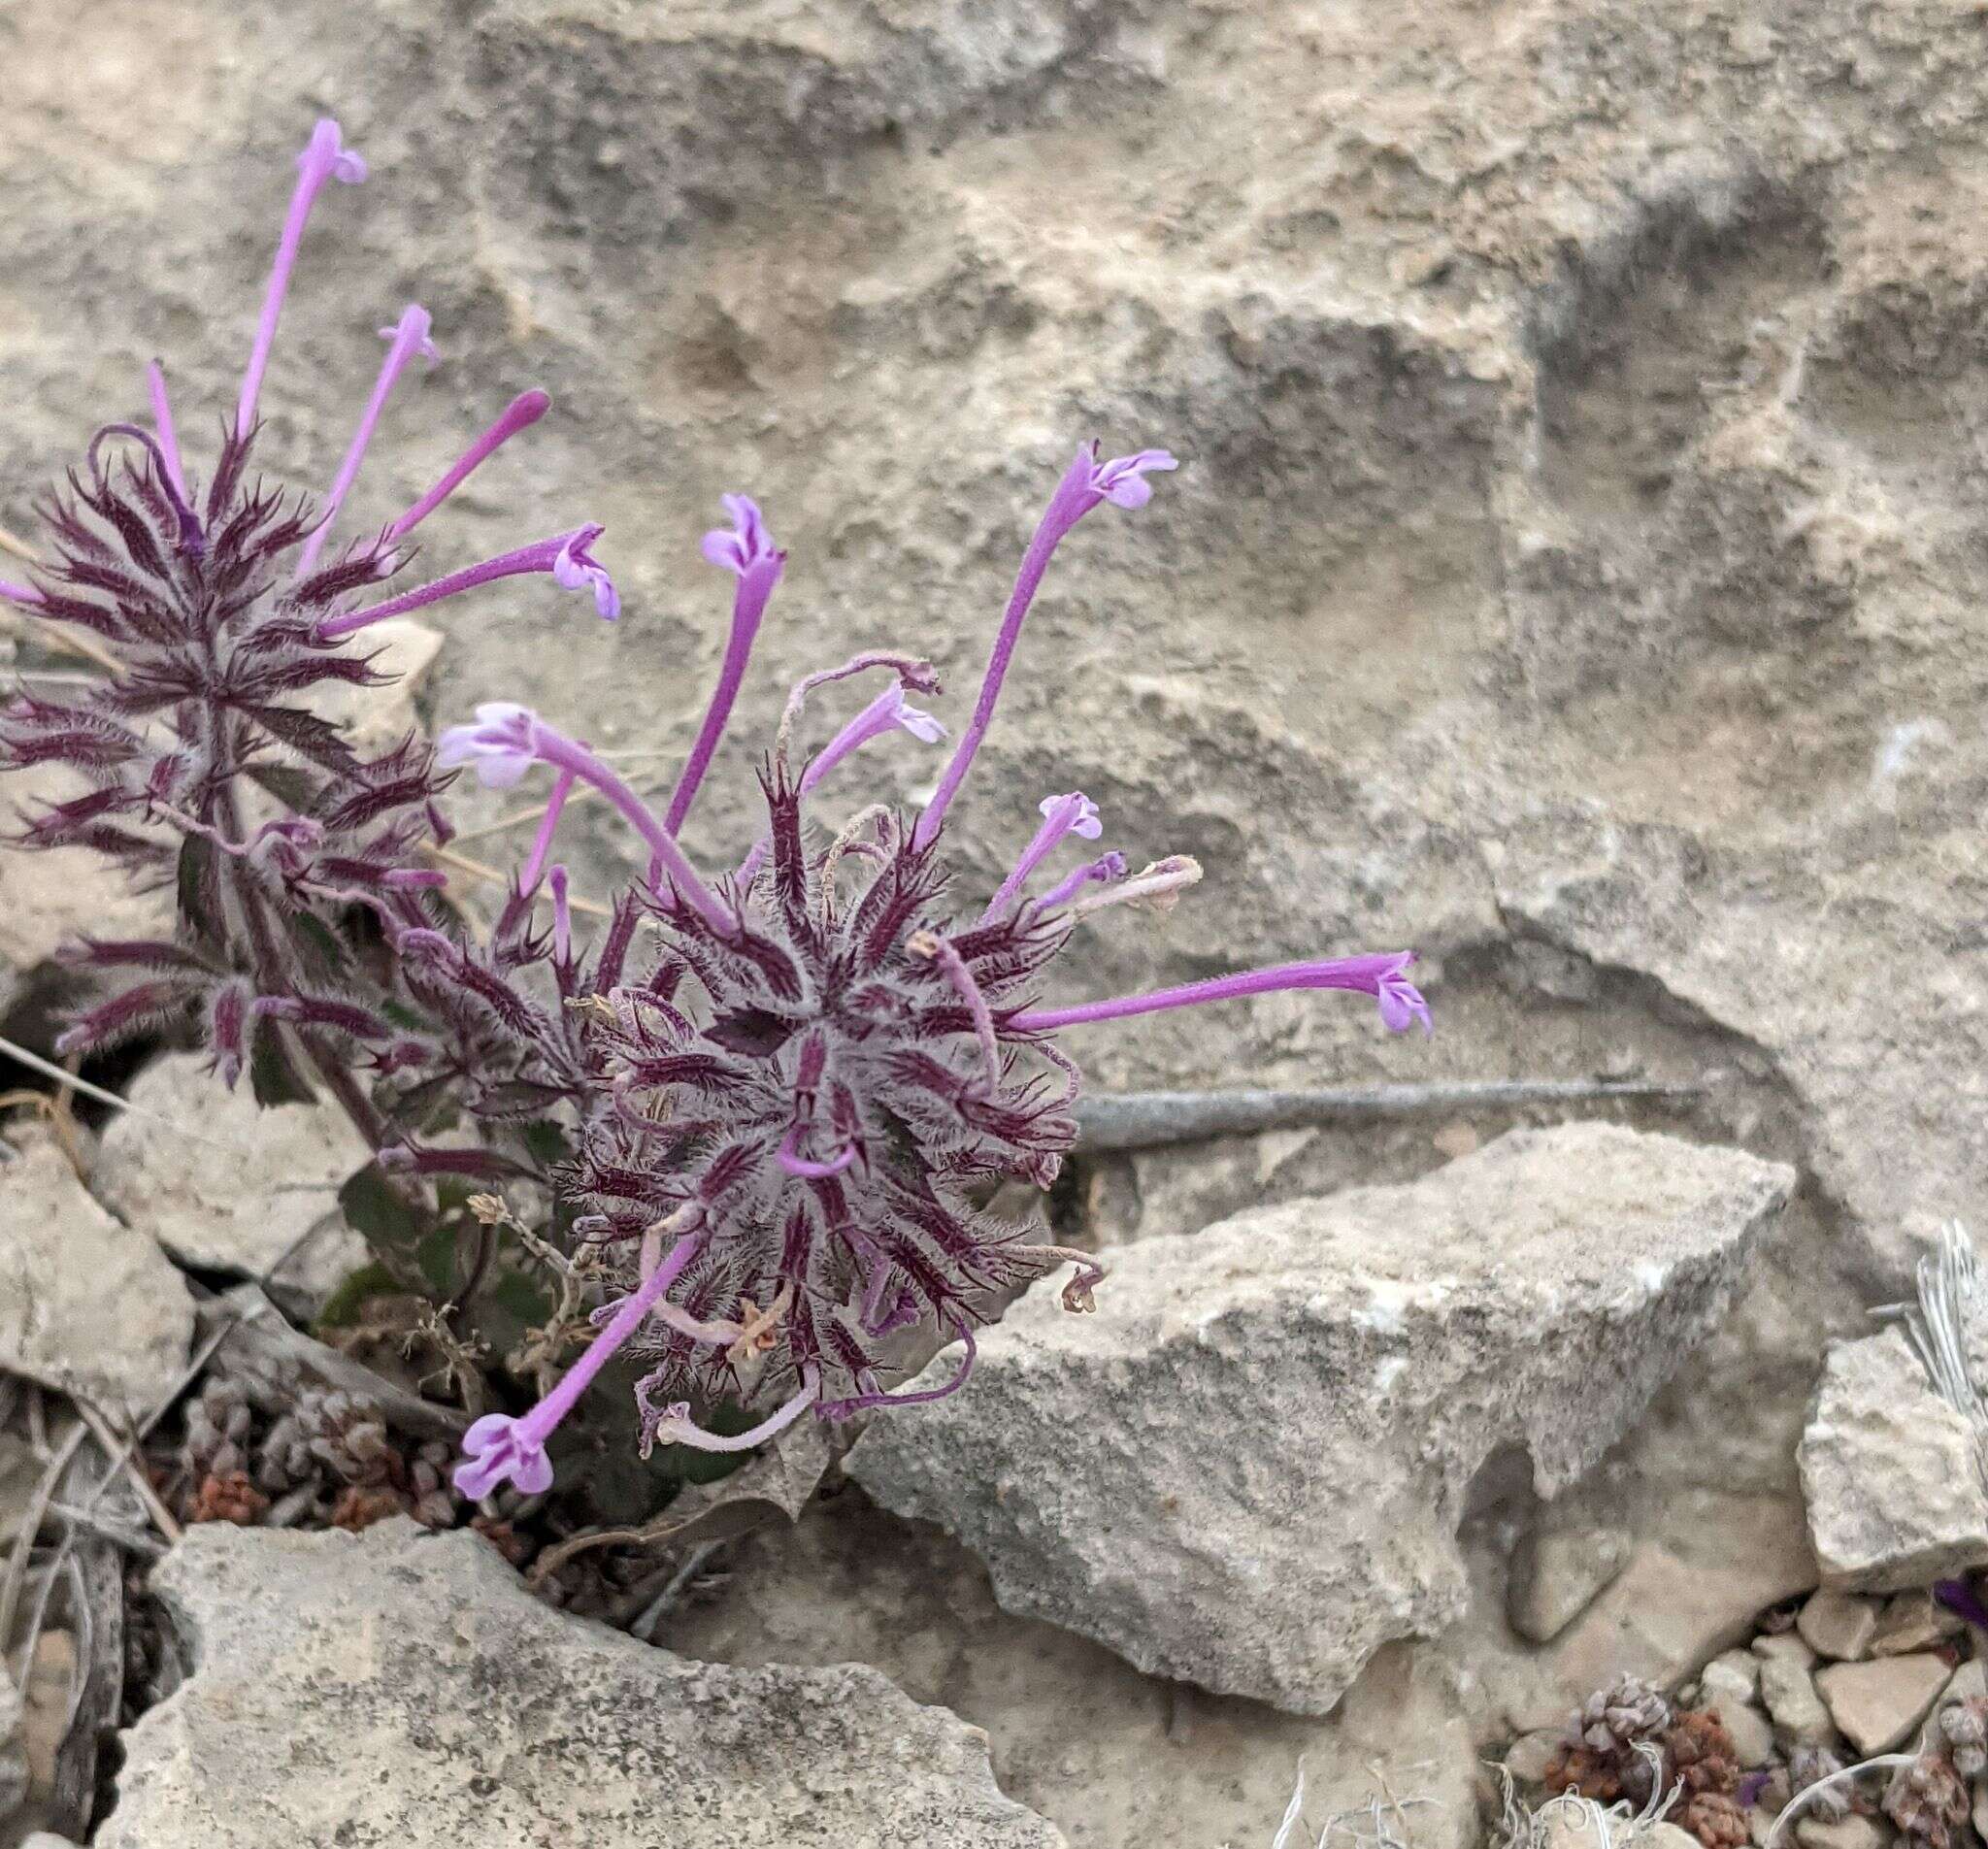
48	1068
124	1456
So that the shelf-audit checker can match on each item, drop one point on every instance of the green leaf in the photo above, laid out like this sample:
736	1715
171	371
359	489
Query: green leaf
323	956
295	788
389	1222
544	1142
273	1072
354	1292
199	891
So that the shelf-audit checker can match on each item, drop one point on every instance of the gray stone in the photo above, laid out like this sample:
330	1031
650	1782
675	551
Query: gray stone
1838	1624
1733	1672
1788	1692
86	1305
1877	1704
1889	1469
1532	1753
1785	1647
401	1686
1967	1683
1753	1734
238	1211
1557	1575
1910	1622
1854	1831
1266	1439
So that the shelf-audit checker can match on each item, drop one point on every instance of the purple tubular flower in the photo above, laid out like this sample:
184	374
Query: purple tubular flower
404	340
1108	866
562	916
498	1447
1072	814
500	744
20	593
565	556
162	421
802	1168
573	570
749	552
523	410
1086	483
889	711
507	739
1378	975
325	158
542	844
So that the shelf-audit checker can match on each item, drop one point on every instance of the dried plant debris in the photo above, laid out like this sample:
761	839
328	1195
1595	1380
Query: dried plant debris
1589	1821
261	1447
1948	1329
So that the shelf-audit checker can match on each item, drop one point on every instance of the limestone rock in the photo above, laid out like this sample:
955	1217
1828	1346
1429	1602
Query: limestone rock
1838	1624
1262	1448
1556	1575
1889	1471
1877	1704
405	1687
241	1209
86	1305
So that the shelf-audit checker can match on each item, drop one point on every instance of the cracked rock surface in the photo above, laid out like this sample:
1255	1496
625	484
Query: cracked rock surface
1247	1470
397	1686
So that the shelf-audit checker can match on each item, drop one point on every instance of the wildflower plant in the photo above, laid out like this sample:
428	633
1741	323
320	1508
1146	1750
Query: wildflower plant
781	1091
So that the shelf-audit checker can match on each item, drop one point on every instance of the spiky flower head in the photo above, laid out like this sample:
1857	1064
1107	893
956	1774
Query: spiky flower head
803	1107
221	609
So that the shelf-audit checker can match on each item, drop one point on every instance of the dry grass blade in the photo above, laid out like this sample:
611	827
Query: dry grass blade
16	1575
483	872
48	1067
1949	1293
122	1456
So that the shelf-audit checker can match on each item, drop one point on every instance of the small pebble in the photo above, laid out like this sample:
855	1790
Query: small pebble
1967	1683
1912	1622
1839	1625
1753	1734
1878	1704
1735	1673
1853	1833
1783	1647
1532	1753
1789	1693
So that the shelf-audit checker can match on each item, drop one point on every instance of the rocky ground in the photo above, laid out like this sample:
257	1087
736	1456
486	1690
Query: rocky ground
1573	573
